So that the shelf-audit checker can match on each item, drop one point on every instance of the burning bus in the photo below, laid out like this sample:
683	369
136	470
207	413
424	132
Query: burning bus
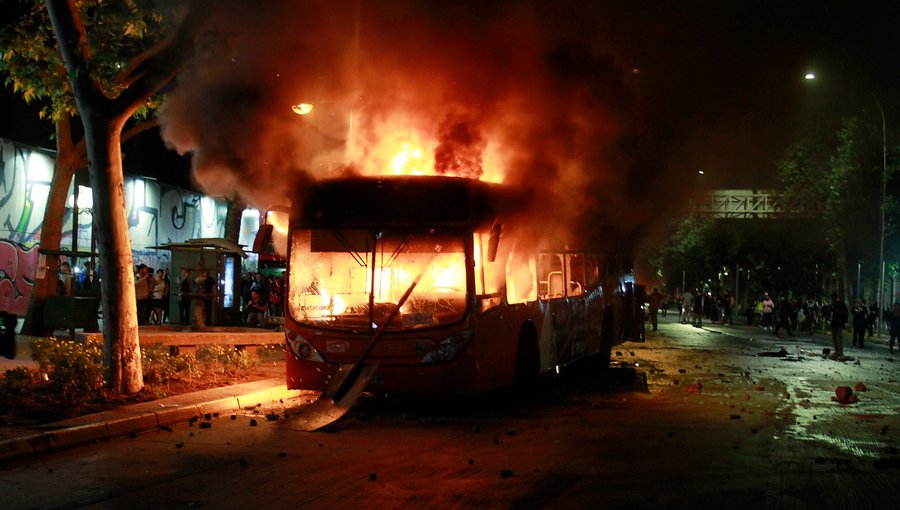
436	281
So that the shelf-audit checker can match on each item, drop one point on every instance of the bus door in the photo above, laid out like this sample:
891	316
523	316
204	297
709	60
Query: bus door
562	318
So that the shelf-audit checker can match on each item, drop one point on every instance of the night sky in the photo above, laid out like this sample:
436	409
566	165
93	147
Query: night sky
718	86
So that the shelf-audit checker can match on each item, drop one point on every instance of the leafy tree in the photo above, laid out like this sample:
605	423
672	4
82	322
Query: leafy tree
35	70
842	176
116	56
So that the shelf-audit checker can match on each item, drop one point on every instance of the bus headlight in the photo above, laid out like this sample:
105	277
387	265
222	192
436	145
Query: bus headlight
302	349
449	348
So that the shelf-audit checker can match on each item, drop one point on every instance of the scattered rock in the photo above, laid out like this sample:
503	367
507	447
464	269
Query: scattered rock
471	462
166	428
860	387
207	416
747	397
759	387
233	416
205	425
272	416
506	473
618	353
787	395
735	417
843	394
244	461
193	420
681	370
179	445
695	388
253	422
282	453
373	477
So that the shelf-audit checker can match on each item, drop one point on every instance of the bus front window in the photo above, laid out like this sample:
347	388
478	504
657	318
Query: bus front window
353	278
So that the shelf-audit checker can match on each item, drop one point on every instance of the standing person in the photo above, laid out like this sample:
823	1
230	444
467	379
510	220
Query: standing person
785	312
768	312
66	278
185	288
159	298
697	309
839	316
727	305
860	316
895	326
203	300
872	318
687	301
655	299
142	294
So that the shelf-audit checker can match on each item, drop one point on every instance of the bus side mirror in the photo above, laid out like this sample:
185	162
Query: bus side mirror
493	242
263	238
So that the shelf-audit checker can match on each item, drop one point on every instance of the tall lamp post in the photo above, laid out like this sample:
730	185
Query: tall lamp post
812	76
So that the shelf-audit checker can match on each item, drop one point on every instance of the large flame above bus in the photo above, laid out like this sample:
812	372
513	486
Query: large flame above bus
288	93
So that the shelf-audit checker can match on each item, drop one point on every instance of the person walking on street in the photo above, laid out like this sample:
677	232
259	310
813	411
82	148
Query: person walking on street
687	301
895	327
768	312
839	316
860	316
655	299
697	309
785	312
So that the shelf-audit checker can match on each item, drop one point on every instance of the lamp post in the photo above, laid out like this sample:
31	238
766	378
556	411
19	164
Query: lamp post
811	76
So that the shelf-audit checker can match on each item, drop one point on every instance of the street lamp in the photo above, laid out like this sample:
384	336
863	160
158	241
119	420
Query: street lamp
811	76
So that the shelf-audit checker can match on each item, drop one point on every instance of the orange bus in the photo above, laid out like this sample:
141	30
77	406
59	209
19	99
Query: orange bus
485	310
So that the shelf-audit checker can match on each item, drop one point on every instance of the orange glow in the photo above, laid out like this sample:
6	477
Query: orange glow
302	108
406	148
334	304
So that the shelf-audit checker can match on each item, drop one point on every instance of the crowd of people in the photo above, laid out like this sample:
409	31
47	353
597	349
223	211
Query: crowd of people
789	314
261	297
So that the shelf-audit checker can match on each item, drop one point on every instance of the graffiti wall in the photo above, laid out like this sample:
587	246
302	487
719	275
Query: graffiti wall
157	214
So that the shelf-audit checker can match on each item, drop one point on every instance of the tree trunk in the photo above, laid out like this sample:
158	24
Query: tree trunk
121	348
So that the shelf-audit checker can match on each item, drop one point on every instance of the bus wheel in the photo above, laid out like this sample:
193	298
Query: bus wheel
528	358
606	341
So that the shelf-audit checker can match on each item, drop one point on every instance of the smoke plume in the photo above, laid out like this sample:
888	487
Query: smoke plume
505	91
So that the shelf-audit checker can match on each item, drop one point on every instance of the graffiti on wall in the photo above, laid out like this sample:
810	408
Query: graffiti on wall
157	214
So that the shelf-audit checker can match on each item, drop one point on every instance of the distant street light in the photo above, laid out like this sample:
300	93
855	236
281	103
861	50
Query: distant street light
812	76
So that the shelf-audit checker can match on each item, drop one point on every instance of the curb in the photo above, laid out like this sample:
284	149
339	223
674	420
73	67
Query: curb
144	417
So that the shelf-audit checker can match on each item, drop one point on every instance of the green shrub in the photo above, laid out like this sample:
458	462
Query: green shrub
158	364
223	359
71	368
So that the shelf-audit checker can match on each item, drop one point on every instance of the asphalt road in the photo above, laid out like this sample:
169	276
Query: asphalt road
718	416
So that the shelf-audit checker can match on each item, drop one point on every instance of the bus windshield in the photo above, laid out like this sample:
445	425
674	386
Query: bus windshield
353	278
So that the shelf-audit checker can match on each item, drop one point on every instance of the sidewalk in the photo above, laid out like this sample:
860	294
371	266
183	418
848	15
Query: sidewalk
143	417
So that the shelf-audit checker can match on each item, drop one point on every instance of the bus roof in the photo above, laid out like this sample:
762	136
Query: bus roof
404	201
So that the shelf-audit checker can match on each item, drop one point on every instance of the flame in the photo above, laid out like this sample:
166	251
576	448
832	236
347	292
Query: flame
402	145
334	303
302	108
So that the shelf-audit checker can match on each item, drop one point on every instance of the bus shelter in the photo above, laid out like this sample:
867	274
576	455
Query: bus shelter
219	259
